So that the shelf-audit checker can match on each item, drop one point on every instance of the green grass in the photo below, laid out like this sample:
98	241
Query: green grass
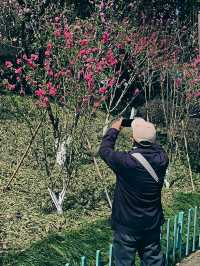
62	247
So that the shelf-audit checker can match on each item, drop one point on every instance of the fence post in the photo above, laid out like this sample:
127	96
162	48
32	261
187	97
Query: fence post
167	239
188	232
110	255
194	231
98	258
174	240
199	241
83	261
179	232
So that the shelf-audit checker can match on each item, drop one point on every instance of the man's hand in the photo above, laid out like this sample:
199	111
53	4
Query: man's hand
117	124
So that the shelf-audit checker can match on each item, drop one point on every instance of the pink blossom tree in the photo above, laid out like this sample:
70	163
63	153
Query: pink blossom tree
82	68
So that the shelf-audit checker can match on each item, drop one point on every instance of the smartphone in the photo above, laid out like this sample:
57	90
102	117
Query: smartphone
127	122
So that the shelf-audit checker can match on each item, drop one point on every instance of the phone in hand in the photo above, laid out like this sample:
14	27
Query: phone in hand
126	122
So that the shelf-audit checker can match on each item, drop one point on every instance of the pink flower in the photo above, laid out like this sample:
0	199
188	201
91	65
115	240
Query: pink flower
18	70
178	82
154	36
68	35
111	82
84	52
101	6
52	91
89	67
140	45
58	86
57	33
100	66
128	39
84	42
57	19
56	75
49	46
34	57
49	85
111	60
44	102
19	61
72	62
10	87
68	73
90	80
47	65
31	64
27	78
102	90
90	60
33	83
102	16
196	61
88	77
8	64
40	92
136	92
88	51
120	46
48	50
94	50
47	53
24	56
189	95
50	72
106	37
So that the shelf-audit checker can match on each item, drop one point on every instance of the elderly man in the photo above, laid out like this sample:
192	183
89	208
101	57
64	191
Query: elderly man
137	213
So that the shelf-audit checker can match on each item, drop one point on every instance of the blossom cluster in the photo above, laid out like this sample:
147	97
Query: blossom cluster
92	56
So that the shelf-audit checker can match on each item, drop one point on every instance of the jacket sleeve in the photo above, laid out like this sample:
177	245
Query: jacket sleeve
114	159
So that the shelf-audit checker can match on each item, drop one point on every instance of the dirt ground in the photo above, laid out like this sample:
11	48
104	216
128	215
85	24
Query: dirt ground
193	260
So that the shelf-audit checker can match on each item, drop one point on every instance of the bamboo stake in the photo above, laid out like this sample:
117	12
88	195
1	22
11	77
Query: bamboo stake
99	173
188	158
24	155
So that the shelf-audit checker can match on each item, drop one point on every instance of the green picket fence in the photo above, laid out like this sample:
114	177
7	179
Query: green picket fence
180	237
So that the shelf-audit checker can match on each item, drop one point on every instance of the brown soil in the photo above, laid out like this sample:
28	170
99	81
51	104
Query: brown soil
193	260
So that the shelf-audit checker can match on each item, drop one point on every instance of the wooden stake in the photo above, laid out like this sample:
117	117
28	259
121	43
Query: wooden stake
188	157
24	155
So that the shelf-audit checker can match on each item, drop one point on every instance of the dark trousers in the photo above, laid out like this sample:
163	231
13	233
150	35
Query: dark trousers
147	244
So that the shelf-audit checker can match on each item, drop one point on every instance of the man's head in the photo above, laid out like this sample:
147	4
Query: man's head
143	132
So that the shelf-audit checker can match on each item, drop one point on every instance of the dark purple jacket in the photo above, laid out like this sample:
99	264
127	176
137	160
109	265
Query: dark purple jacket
137	198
